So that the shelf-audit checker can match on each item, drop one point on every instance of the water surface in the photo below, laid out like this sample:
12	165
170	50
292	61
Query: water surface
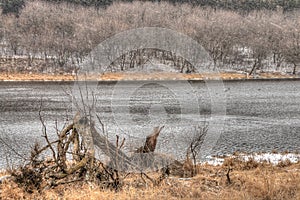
260	115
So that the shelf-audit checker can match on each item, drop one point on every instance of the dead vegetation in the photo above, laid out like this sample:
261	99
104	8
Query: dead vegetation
59	36
72	172
263	182
72	160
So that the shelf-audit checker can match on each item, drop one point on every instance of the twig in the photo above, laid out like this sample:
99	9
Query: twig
45	131
228	175
46	147
102	125
13	150
117	142
148	177
122	144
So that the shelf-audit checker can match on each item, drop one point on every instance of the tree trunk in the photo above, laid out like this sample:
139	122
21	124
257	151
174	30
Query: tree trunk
294	70
144	159
253	68
150	143
91	138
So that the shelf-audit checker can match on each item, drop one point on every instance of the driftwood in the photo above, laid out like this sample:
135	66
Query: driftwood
80	139
144	159
91	138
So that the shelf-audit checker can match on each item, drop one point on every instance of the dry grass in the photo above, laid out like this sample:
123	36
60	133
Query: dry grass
35	77
249	180
135	76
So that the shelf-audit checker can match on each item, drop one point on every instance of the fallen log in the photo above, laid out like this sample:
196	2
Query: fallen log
86	128
143	160
81	140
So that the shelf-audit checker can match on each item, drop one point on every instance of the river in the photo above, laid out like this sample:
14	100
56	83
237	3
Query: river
260	116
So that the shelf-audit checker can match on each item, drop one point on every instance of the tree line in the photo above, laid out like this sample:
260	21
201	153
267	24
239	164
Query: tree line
59	36
15	6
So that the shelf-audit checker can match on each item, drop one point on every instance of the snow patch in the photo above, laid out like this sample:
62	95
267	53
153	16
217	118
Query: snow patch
273	158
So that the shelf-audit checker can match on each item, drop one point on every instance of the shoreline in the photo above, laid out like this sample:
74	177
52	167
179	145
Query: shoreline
111	77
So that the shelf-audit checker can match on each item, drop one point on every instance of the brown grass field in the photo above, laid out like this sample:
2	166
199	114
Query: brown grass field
249	180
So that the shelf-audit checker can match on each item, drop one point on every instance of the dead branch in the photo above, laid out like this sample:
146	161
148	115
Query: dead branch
46	147
151	140
45	132
71	170
79	139
61	157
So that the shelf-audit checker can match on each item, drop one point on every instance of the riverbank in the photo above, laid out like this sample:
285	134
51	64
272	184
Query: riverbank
248	180
144	76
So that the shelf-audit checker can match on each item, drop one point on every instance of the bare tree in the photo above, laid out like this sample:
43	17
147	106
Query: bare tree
292	48
196	140
63	35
